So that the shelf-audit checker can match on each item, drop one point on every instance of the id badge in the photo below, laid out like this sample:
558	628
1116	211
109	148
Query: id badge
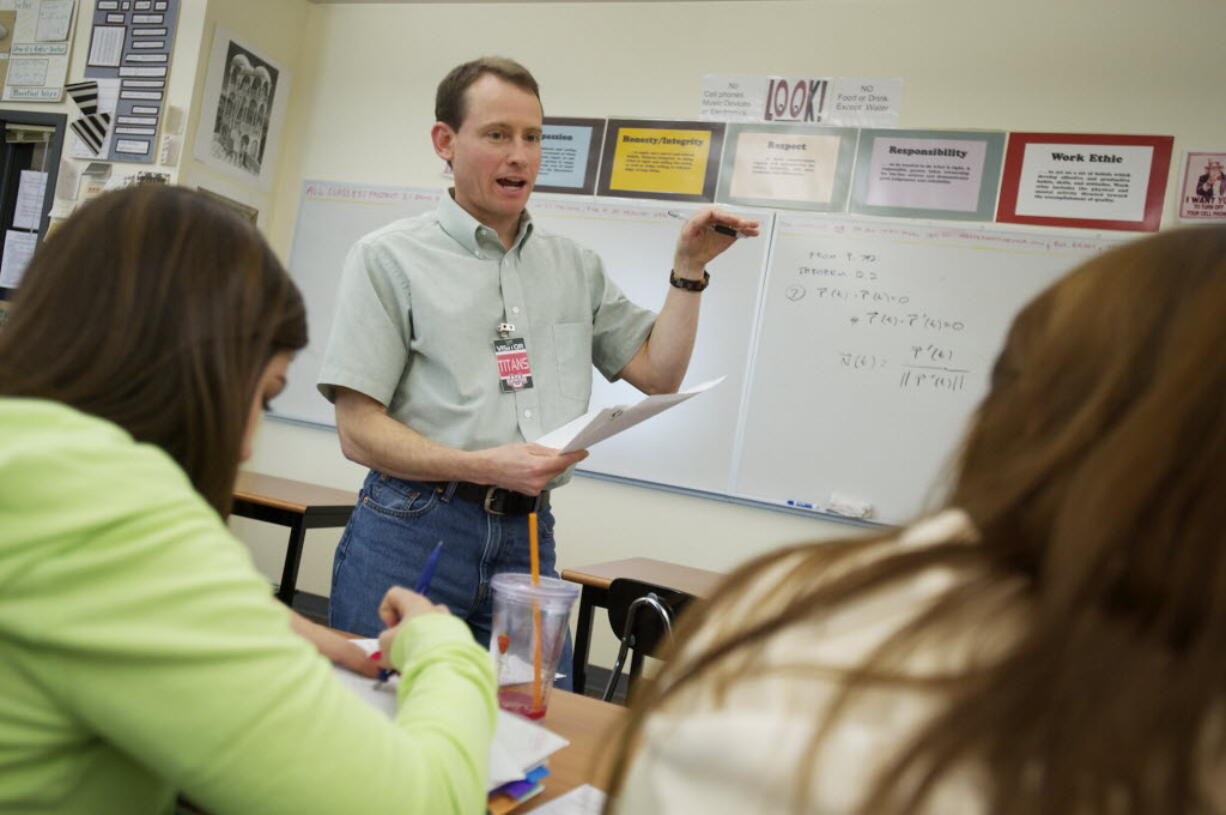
514	370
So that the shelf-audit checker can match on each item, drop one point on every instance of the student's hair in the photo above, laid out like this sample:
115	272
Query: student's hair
156	309
1095	474
449	101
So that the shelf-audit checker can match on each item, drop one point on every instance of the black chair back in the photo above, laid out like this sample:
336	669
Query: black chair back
641	615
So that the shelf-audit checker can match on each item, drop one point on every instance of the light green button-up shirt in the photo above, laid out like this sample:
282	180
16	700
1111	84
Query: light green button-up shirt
417	314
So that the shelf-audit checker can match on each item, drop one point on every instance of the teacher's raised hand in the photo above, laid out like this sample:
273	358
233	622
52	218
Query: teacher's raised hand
705	236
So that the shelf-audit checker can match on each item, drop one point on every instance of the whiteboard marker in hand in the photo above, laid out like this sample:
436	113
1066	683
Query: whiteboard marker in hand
720	228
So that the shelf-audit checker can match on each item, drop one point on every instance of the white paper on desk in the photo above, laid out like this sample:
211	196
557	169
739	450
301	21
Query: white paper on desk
29	211
518	745
18	249
585	800
598	425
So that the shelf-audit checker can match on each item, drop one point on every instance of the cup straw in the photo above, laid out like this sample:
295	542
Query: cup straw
534	557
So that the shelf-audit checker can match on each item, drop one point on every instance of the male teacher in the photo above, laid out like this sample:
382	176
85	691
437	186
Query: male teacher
463	335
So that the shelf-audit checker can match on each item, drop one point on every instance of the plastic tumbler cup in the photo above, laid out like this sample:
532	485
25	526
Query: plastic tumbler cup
520	609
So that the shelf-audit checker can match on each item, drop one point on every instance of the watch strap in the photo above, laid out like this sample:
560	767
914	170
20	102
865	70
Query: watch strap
687	284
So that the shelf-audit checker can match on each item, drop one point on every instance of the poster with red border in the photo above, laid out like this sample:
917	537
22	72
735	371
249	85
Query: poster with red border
1084	180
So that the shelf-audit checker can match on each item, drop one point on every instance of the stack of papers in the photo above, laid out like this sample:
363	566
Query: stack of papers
518	756
598	425
519	752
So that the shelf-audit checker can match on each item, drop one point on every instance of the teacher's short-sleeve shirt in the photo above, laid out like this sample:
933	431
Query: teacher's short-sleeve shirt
417	314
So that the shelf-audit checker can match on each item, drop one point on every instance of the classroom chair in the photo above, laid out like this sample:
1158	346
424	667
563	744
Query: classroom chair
641	615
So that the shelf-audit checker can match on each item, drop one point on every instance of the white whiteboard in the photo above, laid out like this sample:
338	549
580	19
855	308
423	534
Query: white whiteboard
878	338
855	348
691	446
331	219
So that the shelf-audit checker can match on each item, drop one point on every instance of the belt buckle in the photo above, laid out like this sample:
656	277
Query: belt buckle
491	495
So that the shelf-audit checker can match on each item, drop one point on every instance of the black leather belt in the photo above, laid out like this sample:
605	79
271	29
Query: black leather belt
496	500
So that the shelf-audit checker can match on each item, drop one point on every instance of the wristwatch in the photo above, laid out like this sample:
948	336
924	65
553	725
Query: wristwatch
687	284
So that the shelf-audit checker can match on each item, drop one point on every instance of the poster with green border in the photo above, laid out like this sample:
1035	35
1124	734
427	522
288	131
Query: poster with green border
946	174
787	166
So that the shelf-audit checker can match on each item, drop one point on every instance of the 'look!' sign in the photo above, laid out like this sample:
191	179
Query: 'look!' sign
795	100
801	100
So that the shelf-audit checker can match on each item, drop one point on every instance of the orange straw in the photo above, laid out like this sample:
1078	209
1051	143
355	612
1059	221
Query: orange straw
534	559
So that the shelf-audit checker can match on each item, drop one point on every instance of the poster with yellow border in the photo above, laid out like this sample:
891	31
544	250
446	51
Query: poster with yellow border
666	160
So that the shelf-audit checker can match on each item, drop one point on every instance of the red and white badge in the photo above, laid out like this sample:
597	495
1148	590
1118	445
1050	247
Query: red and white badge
514	369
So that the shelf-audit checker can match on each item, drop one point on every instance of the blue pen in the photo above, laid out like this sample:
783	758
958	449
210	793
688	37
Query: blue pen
421	587
427	574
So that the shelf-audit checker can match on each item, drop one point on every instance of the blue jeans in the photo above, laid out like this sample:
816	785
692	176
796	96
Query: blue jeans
390	535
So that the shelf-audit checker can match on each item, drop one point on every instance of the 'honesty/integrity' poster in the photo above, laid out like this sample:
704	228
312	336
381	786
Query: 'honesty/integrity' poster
670	160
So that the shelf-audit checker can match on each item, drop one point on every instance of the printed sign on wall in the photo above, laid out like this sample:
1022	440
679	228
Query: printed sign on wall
1085	180
792	166
570	154
668	160
928	173
130	46
1202	197
801	100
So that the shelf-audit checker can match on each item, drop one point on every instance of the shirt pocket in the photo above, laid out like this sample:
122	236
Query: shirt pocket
572	345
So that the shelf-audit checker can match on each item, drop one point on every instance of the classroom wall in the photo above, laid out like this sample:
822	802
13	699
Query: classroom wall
273	28
179	87
362	108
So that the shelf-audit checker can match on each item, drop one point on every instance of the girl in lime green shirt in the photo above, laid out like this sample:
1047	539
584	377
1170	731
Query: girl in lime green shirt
141	654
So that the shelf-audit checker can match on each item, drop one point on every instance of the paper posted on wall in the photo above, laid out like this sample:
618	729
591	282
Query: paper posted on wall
18	249
598	425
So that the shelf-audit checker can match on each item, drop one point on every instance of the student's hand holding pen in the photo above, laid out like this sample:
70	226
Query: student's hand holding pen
398	606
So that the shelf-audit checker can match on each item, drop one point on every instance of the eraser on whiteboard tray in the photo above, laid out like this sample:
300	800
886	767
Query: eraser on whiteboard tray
849	507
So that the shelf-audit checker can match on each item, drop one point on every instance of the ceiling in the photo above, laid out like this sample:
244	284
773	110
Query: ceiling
458	2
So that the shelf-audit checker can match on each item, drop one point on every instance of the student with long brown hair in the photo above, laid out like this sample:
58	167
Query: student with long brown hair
1054	641
141	654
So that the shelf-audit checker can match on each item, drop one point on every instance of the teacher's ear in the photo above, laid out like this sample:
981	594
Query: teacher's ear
443	139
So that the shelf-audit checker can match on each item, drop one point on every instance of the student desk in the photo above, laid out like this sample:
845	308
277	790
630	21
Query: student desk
295	504
596	578
588	724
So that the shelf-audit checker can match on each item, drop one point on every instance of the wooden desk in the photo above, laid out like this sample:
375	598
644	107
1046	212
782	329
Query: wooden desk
595	580
295	504
589	725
